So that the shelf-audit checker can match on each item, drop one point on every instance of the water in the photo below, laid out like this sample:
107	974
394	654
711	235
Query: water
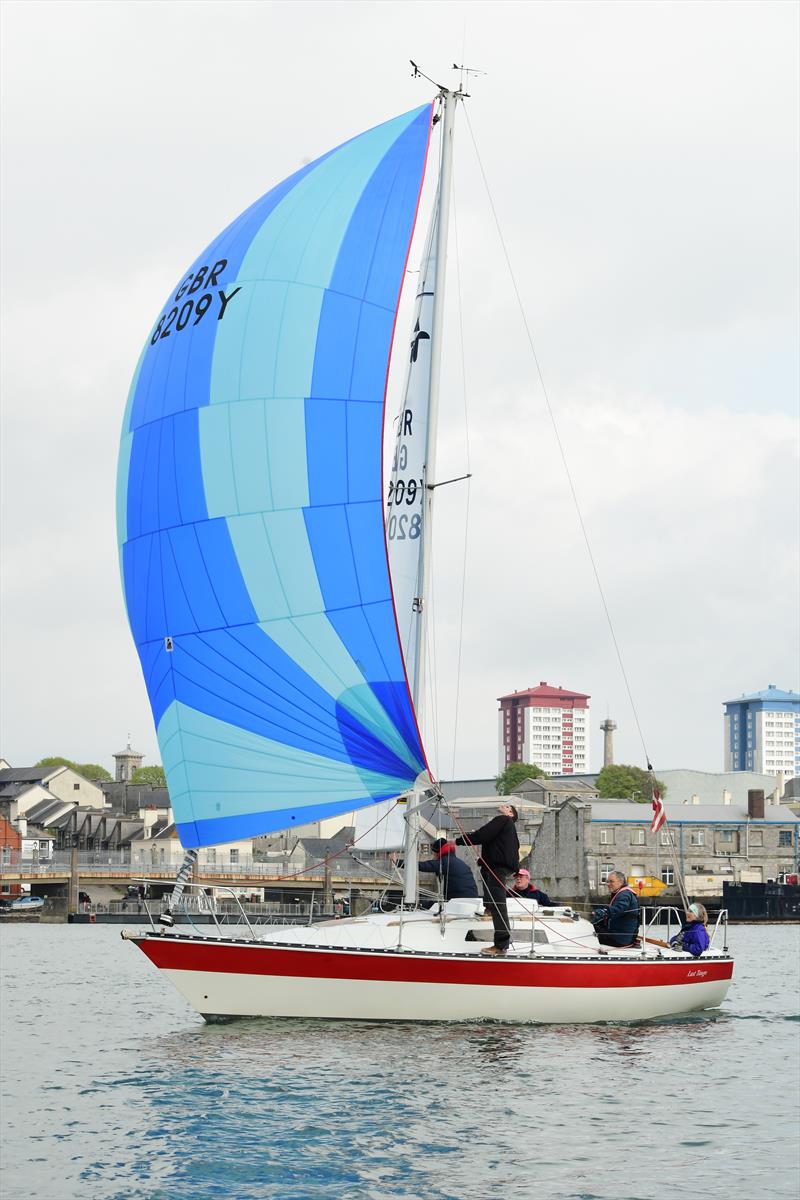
114	1088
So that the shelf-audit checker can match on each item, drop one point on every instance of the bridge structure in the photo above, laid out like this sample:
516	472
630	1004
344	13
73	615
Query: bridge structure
55	878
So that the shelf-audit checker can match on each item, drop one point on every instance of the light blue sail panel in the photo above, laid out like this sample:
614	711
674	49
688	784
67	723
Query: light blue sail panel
249	503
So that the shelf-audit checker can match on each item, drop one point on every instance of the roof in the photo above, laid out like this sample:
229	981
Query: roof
563	783
48	809
709	786
9	791
478	789
615	811
164	830
29	774
545	691
771	694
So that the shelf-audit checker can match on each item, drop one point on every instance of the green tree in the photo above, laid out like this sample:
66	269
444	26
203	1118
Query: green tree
152	776
90	771
93	771
513	776
619	781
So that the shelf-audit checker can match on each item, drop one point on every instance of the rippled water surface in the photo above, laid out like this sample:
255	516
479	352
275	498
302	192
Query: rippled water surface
114	1088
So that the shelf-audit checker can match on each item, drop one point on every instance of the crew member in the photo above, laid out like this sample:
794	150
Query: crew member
499	858
523	886
693	936
616	923
458	882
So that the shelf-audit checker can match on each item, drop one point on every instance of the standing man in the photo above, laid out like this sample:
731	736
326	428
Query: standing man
616	923
498	859
458	882
524	888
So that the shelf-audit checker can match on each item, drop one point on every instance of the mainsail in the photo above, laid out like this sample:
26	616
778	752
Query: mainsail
250	515
405	499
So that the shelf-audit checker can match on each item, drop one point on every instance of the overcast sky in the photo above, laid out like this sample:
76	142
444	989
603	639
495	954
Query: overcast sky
643	164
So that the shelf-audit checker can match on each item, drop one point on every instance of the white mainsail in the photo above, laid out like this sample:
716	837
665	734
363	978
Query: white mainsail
405	501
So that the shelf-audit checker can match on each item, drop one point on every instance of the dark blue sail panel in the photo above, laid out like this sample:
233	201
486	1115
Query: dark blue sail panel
250	511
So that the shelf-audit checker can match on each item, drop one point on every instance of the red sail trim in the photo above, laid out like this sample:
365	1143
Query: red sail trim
198	955
383	445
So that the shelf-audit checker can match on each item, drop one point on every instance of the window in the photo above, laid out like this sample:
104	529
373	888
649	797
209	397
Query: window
76	787
726	835
637	837
667	876
606	837
697	837
605	871
784	837
234	856
665	837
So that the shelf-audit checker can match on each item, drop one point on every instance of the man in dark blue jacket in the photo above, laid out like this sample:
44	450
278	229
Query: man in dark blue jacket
617	923
458	882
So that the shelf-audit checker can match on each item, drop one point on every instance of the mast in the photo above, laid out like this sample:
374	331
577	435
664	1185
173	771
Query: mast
448	100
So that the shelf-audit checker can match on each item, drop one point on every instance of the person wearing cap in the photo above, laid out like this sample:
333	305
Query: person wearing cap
499	858
458	882
693	936
524	888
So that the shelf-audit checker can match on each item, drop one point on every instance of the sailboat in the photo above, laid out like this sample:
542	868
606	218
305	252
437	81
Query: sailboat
276	590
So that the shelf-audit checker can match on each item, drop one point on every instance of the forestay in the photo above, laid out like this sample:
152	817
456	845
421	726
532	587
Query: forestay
250	514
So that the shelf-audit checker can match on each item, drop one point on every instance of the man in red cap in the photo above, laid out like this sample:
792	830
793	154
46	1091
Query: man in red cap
524	887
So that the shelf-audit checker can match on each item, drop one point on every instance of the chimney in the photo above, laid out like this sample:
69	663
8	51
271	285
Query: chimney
755	804
726	796
608	726
695	798
148	816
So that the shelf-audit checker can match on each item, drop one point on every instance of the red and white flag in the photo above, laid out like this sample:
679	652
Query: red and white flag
659	812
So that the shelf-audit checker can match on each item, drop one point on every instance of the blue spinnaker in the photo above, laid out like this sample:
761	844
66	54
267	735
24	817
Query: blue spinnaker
249	507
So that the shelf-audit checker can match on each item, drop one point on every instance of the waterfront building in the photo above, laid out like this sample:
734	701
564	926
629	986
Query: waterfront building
578	844
545	725
10	841
23	789
762	733
159	845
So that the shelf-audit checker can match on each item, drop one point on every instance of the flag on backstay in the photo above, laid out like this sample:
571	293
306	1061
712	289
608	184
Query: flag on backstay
659	812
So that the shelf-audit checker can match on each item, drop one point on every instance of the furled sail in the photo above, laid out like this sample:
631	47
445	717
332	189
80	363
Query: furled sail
250	514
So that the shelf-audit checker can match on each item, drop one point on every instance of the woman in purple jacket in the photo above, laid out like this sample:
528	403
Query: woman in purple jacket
693	937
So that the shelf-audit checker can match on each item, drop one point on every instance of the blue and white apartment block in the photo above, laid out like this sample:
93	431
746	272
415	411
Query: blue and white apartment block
762	733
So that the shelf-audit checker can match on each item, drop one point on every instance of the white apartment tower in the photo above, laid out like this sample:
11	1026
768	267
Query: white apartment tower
545	725
762	733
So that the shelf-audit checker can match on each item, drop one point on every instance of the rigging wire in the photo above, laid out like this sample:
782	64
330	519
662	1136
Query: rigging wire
559	443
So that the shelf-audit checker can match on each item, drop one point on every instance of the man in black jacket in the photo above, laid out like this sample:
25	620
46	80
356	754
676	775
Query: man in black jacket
499	858
458	882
